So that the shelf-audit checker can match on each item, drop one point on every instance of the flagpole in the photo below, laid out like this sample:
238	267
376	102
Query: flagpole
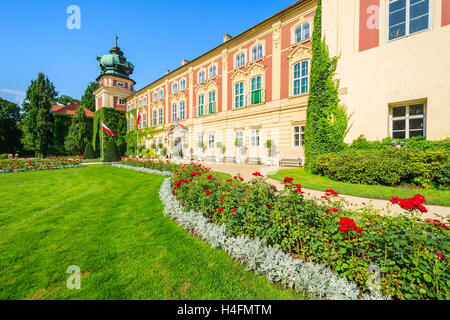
137	130
103	153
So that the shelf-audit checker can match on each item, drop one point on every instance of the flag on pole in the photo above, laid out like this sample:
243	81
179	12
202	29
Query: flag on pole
138	120
106	129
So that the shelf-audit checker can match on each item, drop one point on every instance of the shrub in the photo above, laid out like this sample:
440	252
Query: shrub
361	143
410	254
111	153
442	179
390	167
89	153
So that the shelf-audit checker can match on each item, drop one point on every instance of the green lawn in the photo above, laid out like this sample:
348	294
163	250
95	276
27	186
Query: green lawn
109	222
314	182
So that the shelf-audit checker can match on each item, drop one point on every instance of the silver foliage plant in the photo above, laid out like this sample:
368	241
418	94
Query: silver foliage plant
257	256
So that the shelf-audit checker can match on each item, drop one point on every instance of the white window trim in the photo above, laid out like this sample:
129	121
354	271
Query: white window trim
308	77
175	84
174	107
407	117
214	65
301	24
184	104
245	58
160	116
407	34
301	145
202	71
185	83
254	135
235	95
263	51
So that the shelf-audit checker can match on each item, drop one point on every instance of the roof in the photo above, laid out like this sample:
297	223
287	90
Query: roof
71	109
298	2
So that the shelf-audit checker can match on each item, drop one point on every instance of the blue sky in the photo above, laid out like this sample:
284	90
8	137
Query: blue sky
155	35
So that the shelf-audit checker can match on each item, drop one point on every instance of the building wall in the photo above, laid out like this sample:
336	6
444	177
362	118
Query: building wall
375	73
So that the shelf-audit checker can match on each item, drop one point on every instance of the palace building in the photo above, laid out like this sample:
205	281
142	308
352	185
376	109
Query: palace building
251	92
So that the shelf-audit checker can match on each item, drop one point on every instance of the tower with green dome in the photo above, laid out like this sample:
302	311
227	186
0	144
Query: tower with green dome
115	84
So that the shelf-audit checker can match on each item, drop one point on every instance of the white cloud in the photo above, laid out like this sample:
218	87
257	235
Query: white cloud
17	96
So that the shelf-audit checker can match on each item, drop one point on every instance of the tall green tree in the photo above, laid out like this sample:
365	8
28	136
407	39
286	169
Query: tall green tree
326	119
88	98
64	100
80	133
38	123
10	132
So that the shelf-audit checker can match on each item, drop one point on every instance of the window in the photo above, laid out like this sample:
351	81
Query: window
212	71
183	84
299	136
201	76
240	59
175	88
239	95
174	112
408	17
256	90
121	101
239	142
200	141
154	117
161	94
144	121
254	141
155	97
302	32
301	77
257	52
201	105
211	141
212	102
408	121
161	117
120	84
182	110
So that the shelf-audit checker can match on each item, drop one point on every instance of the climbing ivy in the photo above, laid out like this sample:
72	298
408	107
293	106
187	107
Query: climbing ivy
326	118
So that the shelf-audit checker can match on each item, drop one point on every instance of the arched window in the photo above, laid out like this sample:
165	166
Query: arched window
212	71
182	84
175	88
201	76
257	52
155	97
240	59
301	78
302	32
161	94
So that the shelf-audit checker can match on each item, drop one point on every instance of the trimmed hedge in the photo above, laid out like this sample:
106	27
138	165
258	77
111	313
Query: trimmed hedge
361	143
89	153
391	166
111	153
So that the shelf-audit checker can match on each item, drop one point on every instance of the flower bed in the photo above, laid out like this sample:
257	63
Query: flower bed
409	253
37	164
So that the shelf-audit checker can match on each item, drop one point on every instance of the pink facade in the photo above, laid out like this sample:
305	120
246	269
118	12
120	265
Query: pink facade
445	12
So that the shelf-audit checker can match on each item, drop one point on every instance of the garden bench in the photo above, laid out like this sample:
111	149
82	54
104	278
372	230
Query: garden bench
229	159
291	162
253	160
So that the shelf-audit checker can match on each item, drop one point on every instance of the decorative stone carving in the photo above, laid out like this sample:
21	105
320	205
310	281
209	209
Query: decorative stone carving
299	53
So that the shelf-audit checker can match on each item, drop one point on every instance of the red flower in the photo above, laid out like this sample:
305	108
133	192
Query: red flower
288	180
210	177
331	192
257	174
359	230
207	192
347	222
234	210
440	256
221	199
220	210
229	180
268	205
343	229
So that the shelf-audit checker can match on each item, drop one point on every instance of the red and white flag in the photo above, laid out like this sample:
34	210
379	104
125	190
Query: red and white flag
106	129
138	120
